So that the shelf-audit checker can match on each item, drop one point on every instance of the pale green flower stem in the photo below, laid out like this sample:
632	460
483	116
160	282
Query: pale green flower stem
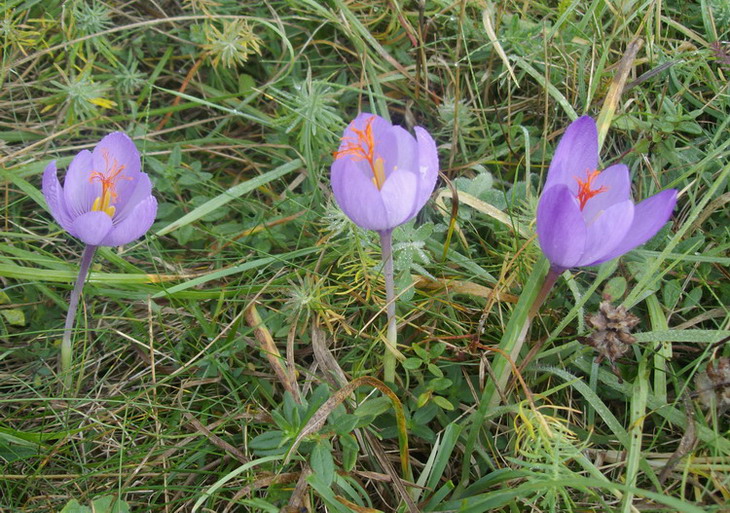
66	343
391	341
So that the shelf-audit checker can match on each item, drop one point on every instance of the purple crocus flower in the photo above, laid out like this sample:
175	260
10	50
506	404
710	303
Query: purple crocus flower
382	175
105	199
586	217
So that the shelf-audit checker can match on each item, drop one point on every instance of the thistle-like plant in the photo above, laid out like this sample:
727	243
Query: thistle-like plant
455	114
128	78
312	115
81	96
14	33
90	17
233	45
546	449
335	222
308	297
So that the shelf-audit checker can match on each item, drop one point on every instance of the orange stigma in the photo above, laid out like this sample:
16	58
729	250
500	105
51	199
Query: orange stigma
108	179
356	148
584	188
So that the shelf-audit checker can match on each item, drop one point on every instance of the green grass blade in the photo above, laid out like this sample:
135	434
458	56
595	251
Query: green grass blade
510	344
234	192
662	351
222	273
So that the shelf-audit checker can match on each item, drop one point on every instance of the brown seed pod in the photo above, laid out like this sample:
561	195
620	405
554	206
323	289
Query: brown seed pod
612	335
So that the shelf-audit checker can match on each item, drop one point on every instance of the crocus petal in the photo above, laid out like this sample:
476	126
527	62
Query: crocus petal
79	191
649	216
91	227
560	227
399	198
142	190
617	182
577	153
117	146
54	196
136	224
378	126
428	166
607	231
357	195
398	150
114	151
125	189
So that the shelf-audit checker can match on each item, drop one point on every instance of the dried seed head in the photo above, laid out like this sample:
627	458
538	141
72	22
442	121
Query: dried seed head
612	335
713	385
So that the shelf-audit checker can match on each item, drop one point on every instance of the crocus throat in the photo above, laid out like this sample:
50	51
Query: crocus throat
108	179
584	188
362	147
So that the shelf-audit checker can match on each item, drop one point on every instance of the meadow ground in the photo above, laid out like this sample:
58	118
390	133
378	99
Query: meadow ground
231	360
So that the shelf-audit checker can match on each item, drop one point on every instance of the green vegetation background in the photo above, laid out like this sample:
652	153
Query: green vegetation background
180	404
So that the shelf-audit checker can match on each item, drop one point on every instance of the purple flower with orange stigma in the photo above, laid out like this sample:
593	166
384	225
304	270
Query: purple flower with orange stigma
381	177
586	217
106	200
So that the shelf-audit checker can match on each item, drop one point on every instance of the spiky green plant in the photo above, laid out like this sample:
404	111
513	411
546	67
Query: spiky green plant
232	45
311	114
128	78
81	97
90	17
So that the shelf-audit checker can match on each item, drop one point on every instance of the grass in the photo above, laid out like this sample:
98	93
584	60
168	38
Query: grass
231	359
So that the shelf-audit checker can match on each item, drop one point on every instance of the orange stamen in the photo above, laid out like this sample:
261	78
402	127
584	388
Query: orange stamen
584	188
108	178
362	147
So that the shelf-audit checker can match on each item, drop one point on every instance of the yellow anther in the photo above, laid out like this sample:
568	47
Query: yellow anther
101	204
108	179
379	173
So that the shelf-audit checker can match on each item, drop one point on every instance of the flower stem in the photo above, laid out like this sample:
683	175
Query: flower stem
550	278
391	341
73	303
